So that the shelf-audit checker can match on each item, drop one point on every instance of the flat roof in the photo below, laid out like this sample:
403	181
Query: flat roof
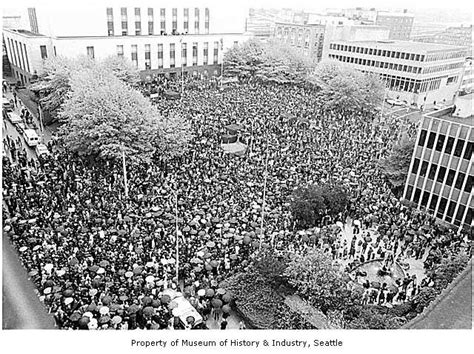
23	32
446	114
405	45
394	14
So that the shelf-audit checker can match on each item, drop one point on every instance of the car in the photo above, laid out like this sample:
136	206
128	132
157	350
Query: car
14	118
41	150
6	104
31	138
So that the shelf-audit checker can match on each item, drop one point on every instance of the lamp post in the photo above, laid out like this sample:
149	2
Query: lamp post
264	194
182	68
177	237
124	166
222	61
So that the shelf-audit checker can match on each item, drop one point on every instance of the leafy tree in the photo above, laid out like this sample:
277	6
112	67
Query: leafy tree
424	298
267	62
445	272
319	281
395	167
369	317
122	69
104	117
176	133
344	89
272	267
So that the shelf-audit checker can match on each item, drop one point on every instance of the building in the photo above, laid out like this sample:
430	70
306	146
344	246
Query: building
459	35
261	22
314	39
156	40
441	171
422	74
399	23
467	83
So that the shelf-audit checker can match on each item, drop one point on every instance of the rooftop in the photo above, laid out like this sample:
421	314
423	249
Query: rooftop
408	46
394	14
24	32
447	114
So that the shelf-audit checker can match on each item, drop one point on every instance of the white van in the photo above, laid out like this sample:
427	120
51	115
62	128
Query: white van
14	118
31	137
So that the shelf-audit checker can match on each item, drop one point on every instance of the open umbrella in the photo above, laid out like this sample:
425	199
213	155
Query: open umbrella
76	316
247	239
68	293
106	300
83	321
73	261
221	291
201	292
148	311
132	309
104	310
226	309
137	270
216	303
104	263
150	279
214	263
123	297
116	320
128	274
209	293
375	284
104	319
165	299
227	297
210	244
172	305
94	268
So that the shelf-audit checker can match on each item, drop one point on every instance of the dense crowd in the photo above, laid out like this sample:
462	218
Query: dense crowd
104	260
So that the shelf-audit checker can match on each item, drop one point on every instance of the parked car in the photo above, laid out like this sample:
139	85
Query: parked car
7	105
31	138
14	118
41	150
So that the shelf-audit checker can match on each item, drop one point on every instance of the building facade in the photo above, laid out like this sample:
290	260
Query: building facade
156	40
400	24
441	170
307	38
467	83
461	36
421	74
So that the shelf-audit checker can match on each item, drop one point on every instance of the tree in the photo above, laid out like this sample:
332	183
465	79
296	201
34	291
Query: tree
122	69
319	281
424	298
395	167
272	268
267	62
445	272
176	133
104	117
344	89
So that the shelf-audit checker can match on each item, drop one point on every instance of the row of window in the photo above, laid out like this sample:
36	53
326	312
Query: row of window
441	210
151	22
377	52
446	67
377	64
443	176
446	55
172	51
448	147
18	54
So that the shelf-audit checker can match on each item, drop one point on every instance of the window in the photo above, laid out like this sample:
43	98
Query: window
147	57
440	142
459	147
44	52
206	53
459	180
110	21
206	21
184	54
441	174
421	142
416	164
431	140
150	21
196	20
162	21
160	56
449	145
216	52
417	195
424	168
409	192
450	178
123	14
434	201
449	216
468	186
424	200
195	53
90	52
33	20
432	173
172	55
174	23
460	213
442	207
138	22
186	20
120	50
134	55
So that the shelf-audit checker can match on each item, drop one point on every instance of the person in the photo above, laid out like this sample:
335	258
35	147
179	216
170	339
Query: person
223	323
241	325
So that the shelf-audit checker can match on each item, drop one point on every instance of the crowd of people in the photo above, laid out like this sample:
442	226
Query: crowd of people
101	259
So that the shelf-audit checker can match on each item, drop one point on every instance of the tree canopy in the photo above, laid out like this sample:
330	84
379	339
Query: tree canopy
270	61
102	117
395	167
344	89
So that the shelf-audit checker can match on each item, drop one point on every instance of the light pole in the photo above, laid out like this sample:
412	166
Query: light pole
177	237
264	193
182	68
222	61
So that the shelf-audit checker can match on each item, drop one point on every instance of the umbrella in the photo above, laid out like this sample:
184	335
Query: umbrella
226	309
132	309
356	222
214	263
190	320
123	297
148	311
146	300
94	268
68	292
116	320
207	255
128	274
104	310
100	271
106	300
88	314
84	320
213	283
93	292
68	300
150	279
210	244
76	316
233	257
23	249
165	299
92	307
216	303
208	267
137	270
247	239
209	293
393	288
221	291
104	319
92	324
201	292
104	263
172	305
223	284
227	297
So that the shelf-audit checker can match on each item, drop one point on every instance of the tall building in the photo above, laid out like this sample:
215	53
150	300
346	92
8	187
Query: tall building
418	73
157	40
441	171
467	83
399	23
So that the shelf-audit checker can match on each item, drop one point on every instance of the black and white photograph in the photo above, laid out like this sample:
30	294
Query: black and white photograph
242	166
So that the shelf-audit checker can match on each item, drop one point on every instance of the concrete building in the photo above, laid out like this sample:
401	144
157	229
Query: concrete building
314	39
459	35
399	23
419	73
157	40
441	171
467	81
